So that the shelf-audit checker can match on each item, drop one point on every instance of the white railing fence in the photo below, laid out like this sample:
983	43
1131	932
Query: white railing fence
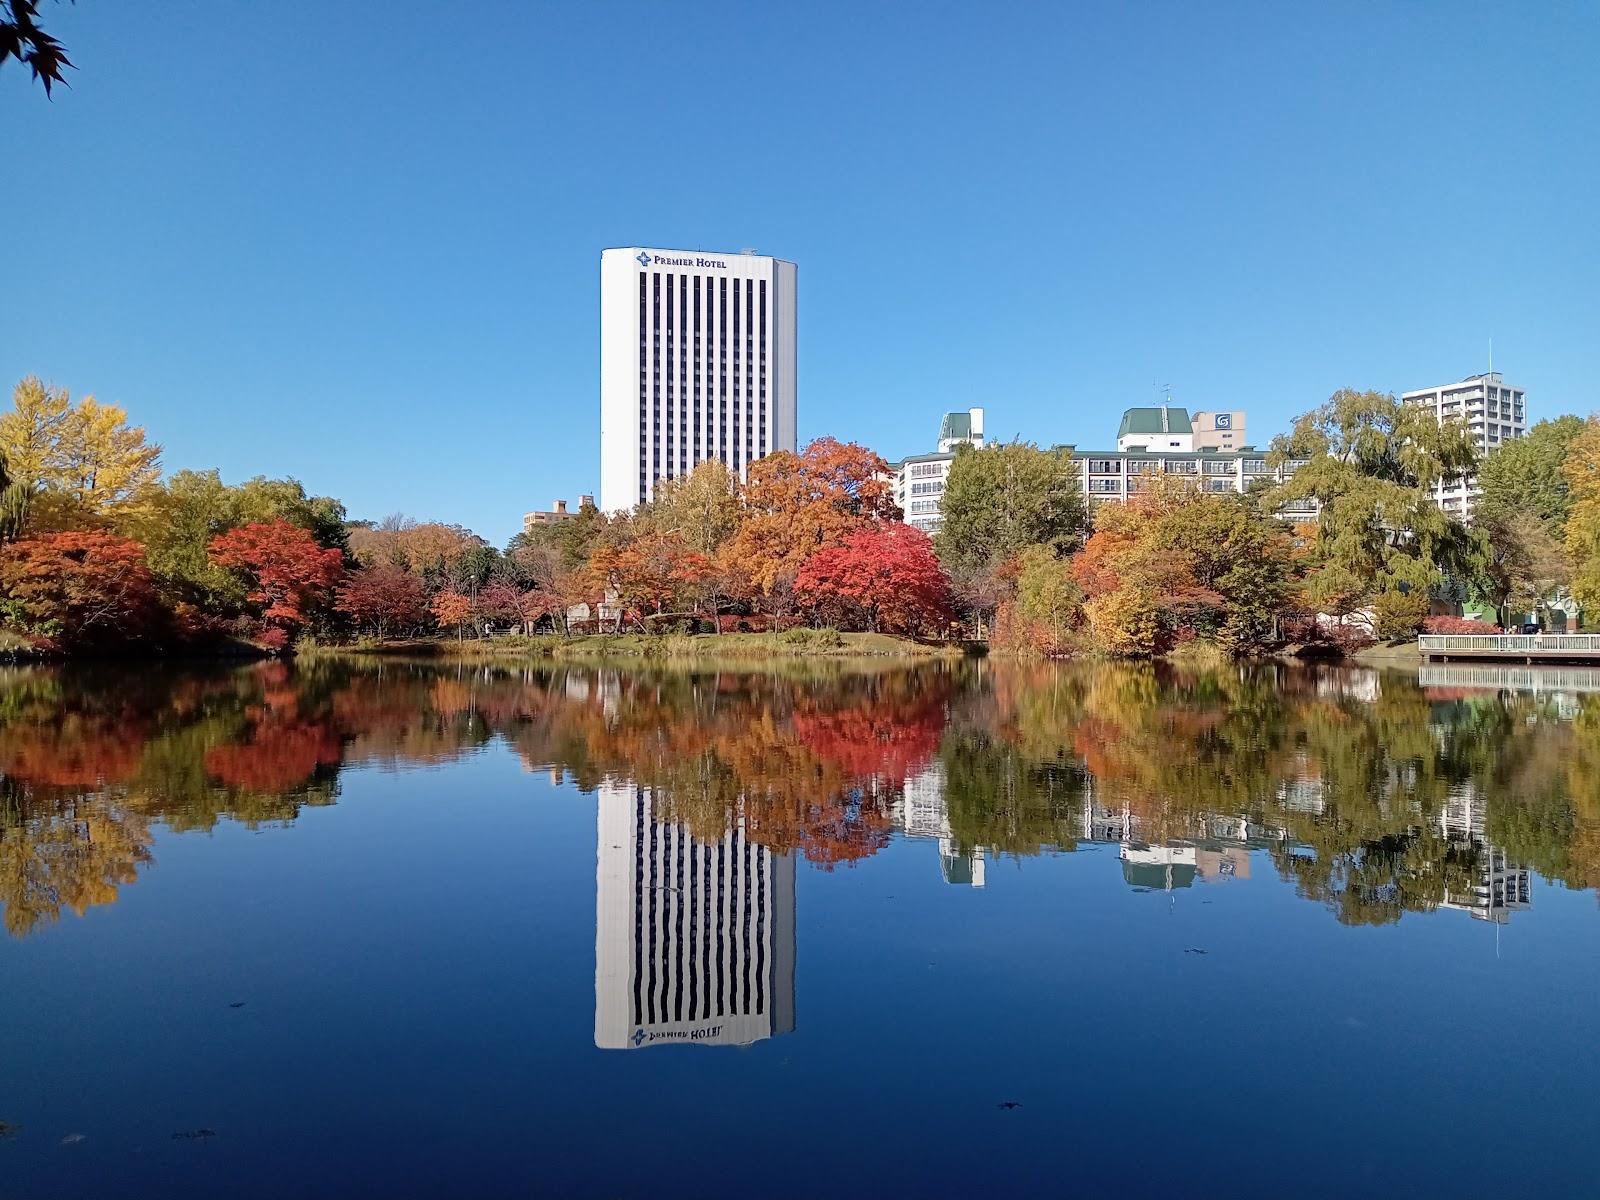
1509	643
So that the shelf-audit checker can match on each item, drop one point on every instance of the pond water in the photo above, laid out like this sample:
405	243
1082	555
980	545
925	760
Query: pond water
415	930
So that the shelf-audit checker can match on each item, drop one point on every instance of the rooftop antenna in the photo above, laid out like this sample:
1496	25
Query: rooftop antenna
1491	356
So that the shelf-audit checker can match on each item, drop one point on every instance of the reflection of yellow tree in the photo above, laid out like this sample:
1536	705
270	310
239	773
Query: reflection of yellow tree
68	857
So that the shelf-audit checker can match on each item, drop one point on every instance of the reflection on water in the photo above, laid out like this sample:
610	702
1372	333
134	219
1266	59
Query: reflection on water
1375	795
694	940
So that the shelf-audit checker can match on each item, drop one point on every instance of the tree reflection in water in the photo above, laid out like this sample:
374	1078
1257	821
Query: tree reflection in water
1374	795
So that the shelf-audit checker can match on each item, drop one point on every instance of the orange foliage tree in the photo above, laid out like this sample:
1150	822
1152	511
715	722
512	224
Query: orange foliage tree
794	504
653	574
79	589
451	608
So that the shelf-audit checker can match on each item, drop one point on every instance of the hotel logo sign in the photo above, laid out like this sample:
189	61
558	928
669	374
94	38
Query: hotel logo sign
644	259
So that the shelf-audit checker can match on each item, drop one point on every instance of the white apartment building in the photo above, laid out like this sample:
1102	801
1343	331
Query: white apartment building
1494	412
694	941
919	481
1150	442
1164	441
697	361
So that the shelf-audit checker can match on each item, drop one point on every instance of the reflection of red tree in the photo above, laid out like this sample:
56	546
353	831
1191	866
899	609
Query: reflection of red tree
277	758
838	829
891	745
74	754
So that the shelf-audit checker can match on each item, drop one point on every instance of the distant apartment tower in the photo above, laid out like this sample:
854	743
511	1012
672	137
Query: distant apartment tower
919	480
557	513
697	361
1494	413
694	940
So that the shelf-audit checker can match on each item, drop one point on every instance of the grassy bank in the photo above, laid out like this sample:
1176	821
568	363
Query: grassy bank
728	647
1406	654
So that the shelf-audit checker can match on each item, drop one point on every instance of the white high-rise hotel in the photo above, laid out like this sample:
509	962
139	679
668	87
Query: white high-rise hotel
697	361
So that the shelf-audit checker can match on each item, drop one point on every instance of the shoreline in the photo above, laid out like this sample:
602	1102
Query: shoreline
747	647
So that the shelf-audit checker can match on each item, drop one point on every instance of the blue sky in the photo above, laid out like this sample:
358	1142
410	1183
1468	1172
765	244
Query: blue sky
359	243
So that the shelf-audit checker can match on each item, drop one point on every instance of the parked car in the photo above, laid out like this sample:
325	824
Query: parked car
1530	627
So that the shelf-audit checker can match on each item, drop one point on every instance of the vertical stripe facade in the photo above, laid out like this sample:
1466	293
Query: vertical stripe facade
697	363
694	939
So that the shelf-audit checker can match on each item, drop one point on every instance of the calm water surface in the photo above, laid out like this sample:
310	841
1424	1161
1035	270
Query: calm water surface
328	931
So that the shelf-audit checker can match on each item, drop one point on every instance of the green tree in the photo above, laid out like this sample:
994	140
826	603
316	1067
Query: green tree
1371	462
13	504
1525	563
191	508
999	500
1047	595
1523	476
574	539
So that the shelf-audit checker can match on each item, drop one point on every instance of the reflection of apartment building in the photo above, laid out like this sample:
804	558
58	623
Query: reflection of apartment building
1499	888
694	941
1492	412
1160	868
1214	848
923	815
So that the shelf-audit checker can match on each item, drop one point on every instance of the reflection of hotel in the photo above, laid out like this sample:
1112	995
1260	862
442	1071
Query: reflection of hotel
923	815
694	941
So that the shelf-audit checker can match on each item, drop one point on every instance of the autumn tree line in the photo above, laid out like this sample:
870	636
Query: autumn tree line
1372	558
100	551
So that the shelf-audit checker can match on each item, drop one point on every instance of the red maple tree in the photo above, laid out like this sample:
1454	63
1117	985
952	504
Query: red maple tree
384	598
884	579
289	574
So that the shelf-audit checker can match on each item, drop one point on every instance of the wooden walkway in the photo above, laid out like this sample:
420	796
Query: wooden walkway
1511	647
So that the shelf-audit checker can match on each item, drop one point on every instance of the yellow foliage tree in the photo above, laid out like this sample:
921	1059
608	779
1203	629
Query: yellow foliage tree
1124	622
1582	472
83	463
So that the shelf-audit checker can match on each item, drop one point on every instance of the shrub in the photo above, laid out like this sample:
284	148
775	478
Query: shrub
1459	625
1398	615
1125	623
